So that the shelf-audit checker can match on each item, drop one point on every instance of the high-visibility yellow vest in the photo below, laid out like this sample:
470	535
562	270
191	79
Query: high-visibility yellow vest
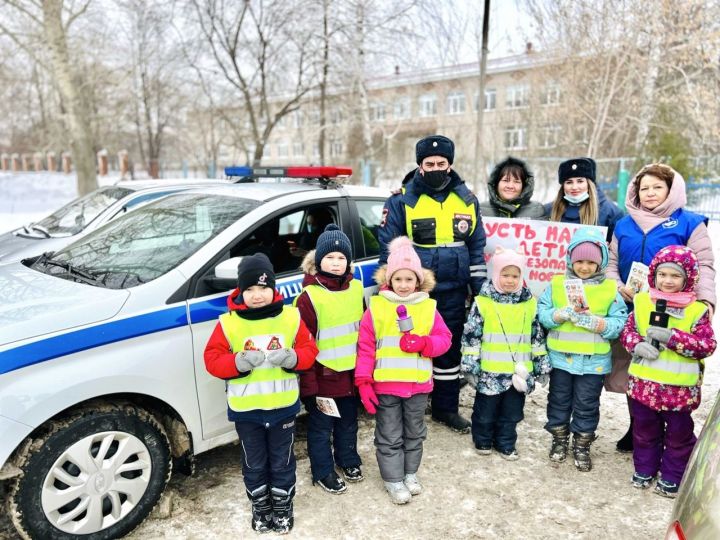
391	363
568	338
266	387
338	321
432	224
500	349
670	367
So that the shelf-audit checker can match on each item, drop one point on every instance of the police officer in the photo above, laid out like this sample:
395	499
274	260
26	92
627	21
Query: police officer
438	212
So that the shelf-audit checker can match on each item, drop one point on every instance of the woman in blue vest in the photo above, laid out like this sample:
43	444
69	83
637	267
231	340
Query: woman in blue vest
667	369
578	344
656	218
579	200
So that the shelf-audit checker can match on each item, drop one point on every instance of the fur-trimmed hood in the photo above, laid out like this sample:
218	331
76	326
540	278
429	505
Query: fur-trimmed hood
427	285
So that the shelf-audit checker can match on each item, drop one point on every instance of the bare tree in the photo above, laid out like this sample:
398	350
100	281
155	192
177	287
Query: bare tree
259	51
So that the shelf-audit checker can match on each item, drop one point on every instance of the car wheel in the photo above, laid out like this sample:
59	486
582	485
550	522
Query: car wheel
97	474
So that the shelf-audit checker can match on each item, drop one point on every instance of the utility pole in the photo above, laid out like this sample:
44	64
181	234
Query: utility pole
479	165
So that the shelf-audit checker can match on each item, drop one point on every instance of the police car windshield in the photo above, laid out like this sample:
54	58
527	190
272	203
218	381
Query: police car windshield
150	241
76	215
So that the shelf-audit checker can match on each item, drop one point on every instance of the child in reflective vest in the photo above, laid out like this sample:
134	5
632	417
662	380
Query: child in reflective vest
400	333
331	306
503	348
668	347
578	343
256	348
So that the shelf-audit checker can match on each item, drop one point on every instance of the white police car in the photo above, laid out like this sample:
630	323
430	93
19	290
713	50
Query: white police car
83	215
103	387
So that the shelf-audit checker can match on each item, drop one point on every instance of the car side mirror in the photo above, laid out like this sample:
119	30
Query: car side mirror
228	269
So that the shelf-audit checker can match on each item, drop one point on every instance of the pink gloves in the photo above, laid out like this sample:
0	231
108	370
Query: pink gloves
412	343
368	397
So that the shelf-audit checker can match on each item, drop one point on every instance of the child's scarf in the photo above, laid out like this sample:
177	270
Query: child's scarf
675	299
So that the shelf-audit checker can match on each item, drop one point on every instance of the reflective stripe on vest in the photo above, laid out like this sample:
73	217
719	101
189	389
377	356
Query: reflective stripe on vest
568	338
670	367
453	220
338	321
391	363
499	351
266	386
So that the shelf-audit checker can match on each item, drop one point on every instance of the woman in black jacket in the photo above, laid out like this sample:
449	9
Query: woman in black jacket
510	189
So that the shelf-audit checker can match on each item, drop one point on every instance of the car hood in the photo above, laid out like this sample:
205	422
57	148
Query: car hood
33	304
16	247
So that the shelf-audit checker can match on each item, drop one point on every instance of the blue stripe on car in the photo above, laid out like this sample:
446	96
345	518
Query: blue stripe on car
140	325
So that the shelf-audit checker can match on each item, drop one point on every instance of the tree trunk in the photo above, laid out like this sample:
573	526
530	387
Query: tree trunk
479	161
77	117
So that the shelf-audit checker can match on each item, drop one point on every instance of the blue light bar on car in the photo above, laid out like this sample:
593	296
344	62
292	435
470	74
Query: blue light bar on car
242	170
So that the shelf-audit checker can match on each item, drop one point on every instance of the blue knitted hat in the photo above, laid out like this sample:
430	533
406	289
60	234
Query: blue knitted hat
332	239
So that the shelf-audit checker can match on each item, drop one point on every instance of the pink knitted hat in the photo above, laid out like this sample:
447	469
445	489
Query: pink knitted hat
503	258
403	257
586	251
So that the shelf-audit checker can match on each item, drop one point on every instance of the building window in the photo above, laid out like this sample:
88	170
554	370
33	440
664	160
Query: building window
517	97
315	117
336	116
298	149
455	103
297	119
582	135
282	149
515	138
282	121
490	100
549	136
377	112
336	148
402	108
550	94
316	150
428	105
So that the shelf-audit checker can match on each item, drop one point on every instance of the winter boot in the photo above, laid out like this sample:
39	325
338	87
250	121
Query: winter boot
262	509
452	420
560	442
283	519
581	450
625	445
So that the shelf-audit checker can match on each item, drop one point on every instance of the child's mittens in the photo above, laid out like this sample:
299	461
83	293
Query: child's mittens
284	358
542	380
412	343
646	351
520	377
657	333
248	360
368	397
471	379
591	322
565	314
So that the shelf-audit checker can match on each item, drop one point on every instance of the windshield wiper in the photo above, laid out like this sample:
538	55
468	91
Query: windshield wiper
40	228
71	270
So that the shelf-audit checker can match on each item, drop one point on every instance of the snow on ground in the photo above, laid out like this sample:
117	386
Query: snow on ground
466	495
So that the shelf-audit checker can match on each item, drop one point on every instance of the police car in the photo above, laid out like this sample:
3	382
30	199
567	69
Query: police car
85	214
104	388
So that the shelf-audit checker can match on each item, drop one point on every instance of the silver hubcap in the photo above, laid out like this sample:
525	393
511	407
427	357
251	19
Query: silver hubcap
96	482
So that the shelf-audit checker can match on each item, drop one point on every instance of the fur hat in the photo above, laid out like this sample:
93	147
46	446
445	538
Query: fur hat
332	239
586	251
256	270
577	168
435	145
502	258
402	256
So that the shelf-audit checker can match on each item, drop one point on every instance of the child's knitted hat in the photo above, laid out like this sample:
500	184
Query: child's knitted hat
255	270
332	239
680	258
503	258
403	257
586	251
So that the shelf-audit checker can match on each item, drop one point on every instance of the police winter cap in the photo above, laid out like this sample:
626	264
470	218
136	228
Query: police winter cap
577	168
435	145
332	239
256	270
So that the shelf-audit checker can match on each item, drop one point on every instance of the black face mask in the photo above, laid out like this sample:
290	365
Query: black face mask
437	180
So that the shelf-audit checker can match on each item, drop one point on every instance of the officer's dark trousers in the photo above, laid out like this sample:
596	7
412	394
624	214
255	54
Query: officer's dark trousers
446	368
268	454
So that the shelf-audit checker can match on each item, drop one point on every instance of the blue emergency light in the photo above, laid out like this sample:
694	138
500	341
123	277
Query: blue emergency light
241	170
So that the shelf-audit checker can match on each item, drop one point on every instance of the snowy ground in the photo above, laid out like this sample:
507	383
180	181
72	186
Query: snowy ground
466	495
